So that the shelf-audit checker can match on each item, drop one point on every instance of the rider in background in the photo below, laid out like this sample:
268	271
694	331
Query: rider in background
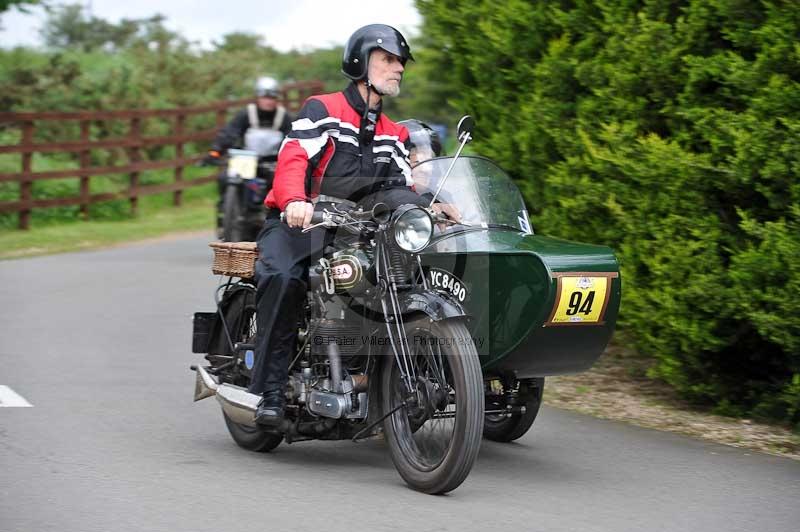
259	127
265	113
424	144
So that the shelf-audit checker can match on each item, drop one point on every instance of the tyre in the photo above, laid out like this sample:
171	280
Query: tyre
232	215
434	432
506	429
240	316
252	438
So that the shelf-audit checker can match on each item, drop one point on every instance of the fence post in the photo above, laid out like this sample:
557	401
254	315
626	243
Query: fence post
85	162
180	120
25	183
221	115
134	156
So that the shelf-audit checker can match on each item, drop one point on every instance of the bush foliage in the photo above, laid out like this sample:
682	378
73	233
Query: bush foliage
669	130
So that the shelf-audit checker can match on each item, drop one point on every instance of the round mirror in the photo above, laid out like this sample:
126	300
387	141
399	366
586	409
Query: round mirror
465	126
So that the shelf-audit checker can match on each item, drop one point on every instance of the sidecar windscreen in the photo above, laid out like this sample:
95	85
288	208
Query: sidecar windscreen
480	190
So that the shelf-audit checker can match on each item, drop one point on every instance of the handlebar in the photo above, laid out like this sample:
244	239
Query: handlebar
336	217
268	161
357	217
318	217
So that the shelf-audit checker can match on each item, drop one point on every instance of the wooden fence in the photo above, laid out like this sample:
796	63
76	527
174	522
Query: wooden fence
133	144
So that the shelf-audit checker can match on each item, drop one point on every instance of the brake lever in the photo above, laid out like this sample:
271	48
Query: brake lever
329	219
310	227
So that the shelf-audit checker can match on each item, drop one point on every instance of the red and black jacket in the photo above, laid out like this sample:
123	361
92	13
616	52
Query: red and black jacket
326	152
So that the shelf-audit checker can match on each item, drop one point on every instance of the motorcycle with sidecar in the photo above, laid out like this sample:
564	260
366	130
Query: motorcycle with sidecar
432	330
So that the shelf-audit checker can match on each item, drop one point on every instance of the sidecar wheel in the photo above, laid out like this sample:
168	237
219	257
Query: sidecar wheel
507	429
434	439
251	438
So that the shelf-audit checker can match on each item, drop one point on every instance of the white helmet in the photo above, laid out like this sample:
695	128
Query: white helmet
267	87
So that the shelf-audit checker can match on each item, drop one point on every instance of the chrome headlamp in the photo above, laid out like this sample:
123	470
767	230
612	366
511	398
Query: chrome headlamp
412	229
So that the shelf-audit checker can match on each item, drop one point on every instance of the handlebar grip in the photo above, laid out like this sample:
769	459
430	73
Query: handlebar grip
317	217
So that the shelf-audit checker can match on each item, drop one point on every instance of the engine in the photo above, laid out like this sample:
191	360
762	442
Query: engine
334	349
318	396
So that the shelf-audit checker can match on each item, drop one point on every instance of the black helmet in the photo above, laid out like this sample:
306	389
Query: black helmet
423	138
366	39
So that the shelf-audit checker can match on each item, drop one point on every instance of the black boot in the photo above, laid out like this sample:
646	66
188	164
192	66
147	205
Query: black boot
270	409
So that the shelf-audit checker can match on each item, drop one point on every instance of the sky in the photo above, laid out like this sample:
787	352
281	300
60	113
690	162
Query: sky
284	24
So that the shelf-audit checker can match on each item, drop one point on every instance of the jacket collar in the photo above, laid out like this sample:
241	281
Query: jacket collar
355	100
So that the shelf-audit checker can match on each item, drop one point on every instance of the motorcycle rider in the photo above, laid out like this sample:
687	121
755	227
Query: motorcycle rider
265	114
340	146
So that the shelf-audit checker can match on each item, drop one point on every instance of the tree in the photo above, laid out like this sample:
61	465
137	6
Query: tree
22	5
240	42
667	129
70	27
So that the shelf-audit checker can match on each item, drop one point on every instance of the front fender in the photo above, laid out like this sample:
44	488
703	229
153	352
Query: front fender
436	305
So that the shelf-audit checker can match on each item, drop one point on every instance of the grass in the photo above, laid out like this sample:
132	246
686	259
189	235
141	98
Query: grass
617	388
156	218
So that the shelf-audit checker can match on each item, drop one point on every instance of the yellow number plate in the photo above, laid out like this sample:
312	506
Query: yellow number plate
244	166
581	298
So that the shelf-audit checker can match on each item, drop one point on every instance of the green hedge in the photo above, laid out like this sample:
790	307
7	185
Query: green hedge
669	130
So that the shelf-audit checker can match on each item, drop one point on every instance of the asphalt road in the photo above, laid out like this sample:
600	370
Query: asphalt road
99	344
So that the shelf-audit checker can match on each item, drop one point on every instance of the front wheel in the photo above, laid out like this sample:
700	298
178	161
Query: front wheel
434	432
232	215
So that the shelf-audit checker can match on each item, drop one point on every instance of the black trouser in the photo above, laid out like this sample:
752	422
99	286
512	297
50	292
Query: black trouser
281	277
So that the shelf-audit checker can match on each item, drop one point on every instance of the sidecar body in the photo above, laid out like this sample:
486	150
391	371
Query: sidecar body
537	305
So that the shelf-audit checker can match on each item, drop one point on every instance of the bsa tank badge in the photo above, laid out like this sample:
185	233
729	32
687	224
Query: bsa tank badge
346	272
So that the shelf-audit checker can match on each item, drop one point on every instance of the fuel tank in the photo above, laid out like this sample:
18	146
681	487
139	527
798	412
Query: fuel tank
538	306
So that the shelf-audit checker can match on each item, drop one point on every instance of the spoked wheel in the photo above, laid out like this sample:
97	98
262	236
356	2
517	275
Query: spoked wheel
232	216
434	432
250	438
502	428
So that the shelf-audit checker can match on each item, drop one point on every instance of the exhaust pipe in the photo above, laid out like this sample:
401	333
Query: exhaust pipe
205	385
239	404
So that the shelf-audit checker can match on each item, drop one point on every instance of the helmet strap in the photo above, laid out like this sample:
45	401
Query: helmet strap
378	92
368	119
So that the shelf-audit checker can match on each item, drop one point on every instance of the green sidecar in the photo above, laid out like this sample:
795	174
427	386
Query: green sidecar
537	305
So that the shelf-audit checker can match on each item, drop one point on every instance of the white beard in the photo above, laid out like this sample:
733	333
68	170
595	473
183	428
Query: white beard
390	88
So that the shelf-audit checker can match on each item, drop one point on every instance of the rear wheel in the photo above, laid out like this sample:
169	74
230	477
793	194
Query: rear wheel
252	438
502	428
434	433
241	319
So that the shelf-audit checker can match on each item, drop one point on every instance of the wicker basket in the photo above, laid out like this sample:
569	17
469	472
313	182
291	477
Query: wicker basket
235	259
